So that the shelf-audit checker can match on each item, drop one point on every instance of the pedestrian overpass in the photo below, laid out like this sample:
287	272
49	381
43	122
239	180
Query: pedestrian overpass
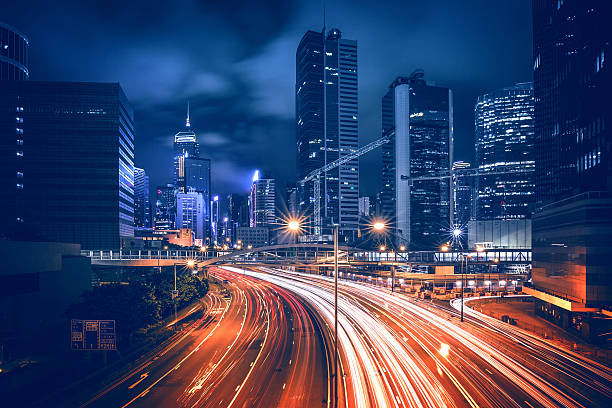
303	254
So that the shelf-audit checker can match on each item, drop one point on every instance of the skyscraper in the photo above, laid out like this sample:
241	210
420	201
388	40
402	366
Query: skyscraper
197	178
142	201
326	93
190	208
504	124
262	201
67	171
185	147
573	154
571	74
165	207
14	54
418	116
463	192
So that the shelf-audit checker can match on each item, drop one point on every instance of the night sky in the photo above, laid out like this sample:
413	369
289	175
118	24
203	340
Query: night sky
235	62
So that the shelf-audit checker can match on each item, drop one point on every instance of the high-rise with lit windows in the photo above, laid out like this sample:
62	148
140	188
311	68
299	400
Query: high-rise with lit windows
142	199
185	146
326	95
573	157
66	163
504	125
262	201
418	117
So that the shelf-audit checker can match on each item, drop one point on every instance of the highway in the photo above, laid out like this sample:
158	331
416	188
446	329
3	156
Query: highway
396	351
258	348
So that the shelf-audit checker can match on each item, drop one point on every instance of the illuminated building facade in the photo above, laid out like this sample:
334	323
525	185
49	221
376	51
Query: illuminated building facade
190	210
165	207
14	54
418	116
504	125
573	153
326	99
262	201
66	162
463	196
142	199
185	146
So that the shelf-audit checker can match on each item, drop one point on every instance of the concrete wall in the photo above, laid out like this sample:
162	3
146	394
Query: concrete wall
39	280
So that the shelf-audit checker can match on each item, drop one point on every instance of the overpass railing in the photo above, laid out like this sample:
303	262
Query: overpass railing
303	254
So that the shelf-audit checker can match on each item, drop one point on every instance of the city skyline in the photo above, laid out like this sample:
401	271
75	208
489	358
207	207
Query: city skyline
252	85
288	204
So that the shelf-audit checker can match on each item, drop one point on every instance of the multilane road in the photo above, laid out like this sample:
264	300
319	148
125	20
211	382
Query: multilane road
270	344
257	348
400	352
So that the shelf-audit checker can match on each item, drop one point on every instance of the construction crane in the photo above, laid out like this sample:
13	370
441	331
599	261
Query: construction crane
315	175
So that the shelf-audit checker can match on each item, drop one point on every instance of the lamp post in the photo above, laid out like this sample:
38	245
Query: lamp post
380	227
336	315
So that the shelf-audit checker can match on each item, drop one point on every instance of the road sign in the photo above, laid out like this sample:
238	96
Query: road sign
93	335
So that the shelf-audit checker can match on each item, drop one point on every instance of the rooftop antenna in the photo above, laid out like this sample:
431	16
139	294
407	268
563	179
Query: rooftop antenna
187	123
323	17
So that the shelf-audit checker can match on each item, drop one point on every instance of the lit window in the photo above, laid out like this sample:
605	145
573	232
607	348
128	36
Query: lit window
19	174
20	153
19	142
19	186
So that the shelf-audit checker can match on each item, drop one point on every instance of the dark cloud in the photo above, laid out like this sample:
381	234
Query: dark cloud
235	62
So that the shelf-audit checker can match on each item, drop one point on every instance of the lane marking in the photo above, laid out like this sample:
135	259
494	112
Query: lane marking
142	378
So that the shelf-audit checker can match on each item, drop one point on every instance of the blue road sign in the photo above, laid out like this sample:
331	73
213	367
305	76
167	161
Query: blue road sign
93	335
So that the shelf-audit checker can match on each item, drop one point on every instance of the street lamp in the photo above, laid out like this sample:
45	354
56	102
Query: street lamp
457	232
378	226
336	315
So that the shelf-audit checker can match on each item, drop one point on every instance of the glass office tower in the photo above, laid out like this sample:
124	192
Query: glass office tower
262	201
418	116
185	146
67	162
326	94
142	200
573	154
14	54
197	178
504	125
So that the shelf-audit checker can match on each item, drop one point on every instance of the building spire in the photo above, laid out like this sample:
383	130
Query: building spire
324	18
187	123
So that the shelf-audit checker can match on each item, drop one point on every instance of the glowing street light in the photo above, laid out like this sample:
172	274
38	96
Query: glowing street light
190	263
382	248
457	232
479	249
293	225
444	248
402	248
379	226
